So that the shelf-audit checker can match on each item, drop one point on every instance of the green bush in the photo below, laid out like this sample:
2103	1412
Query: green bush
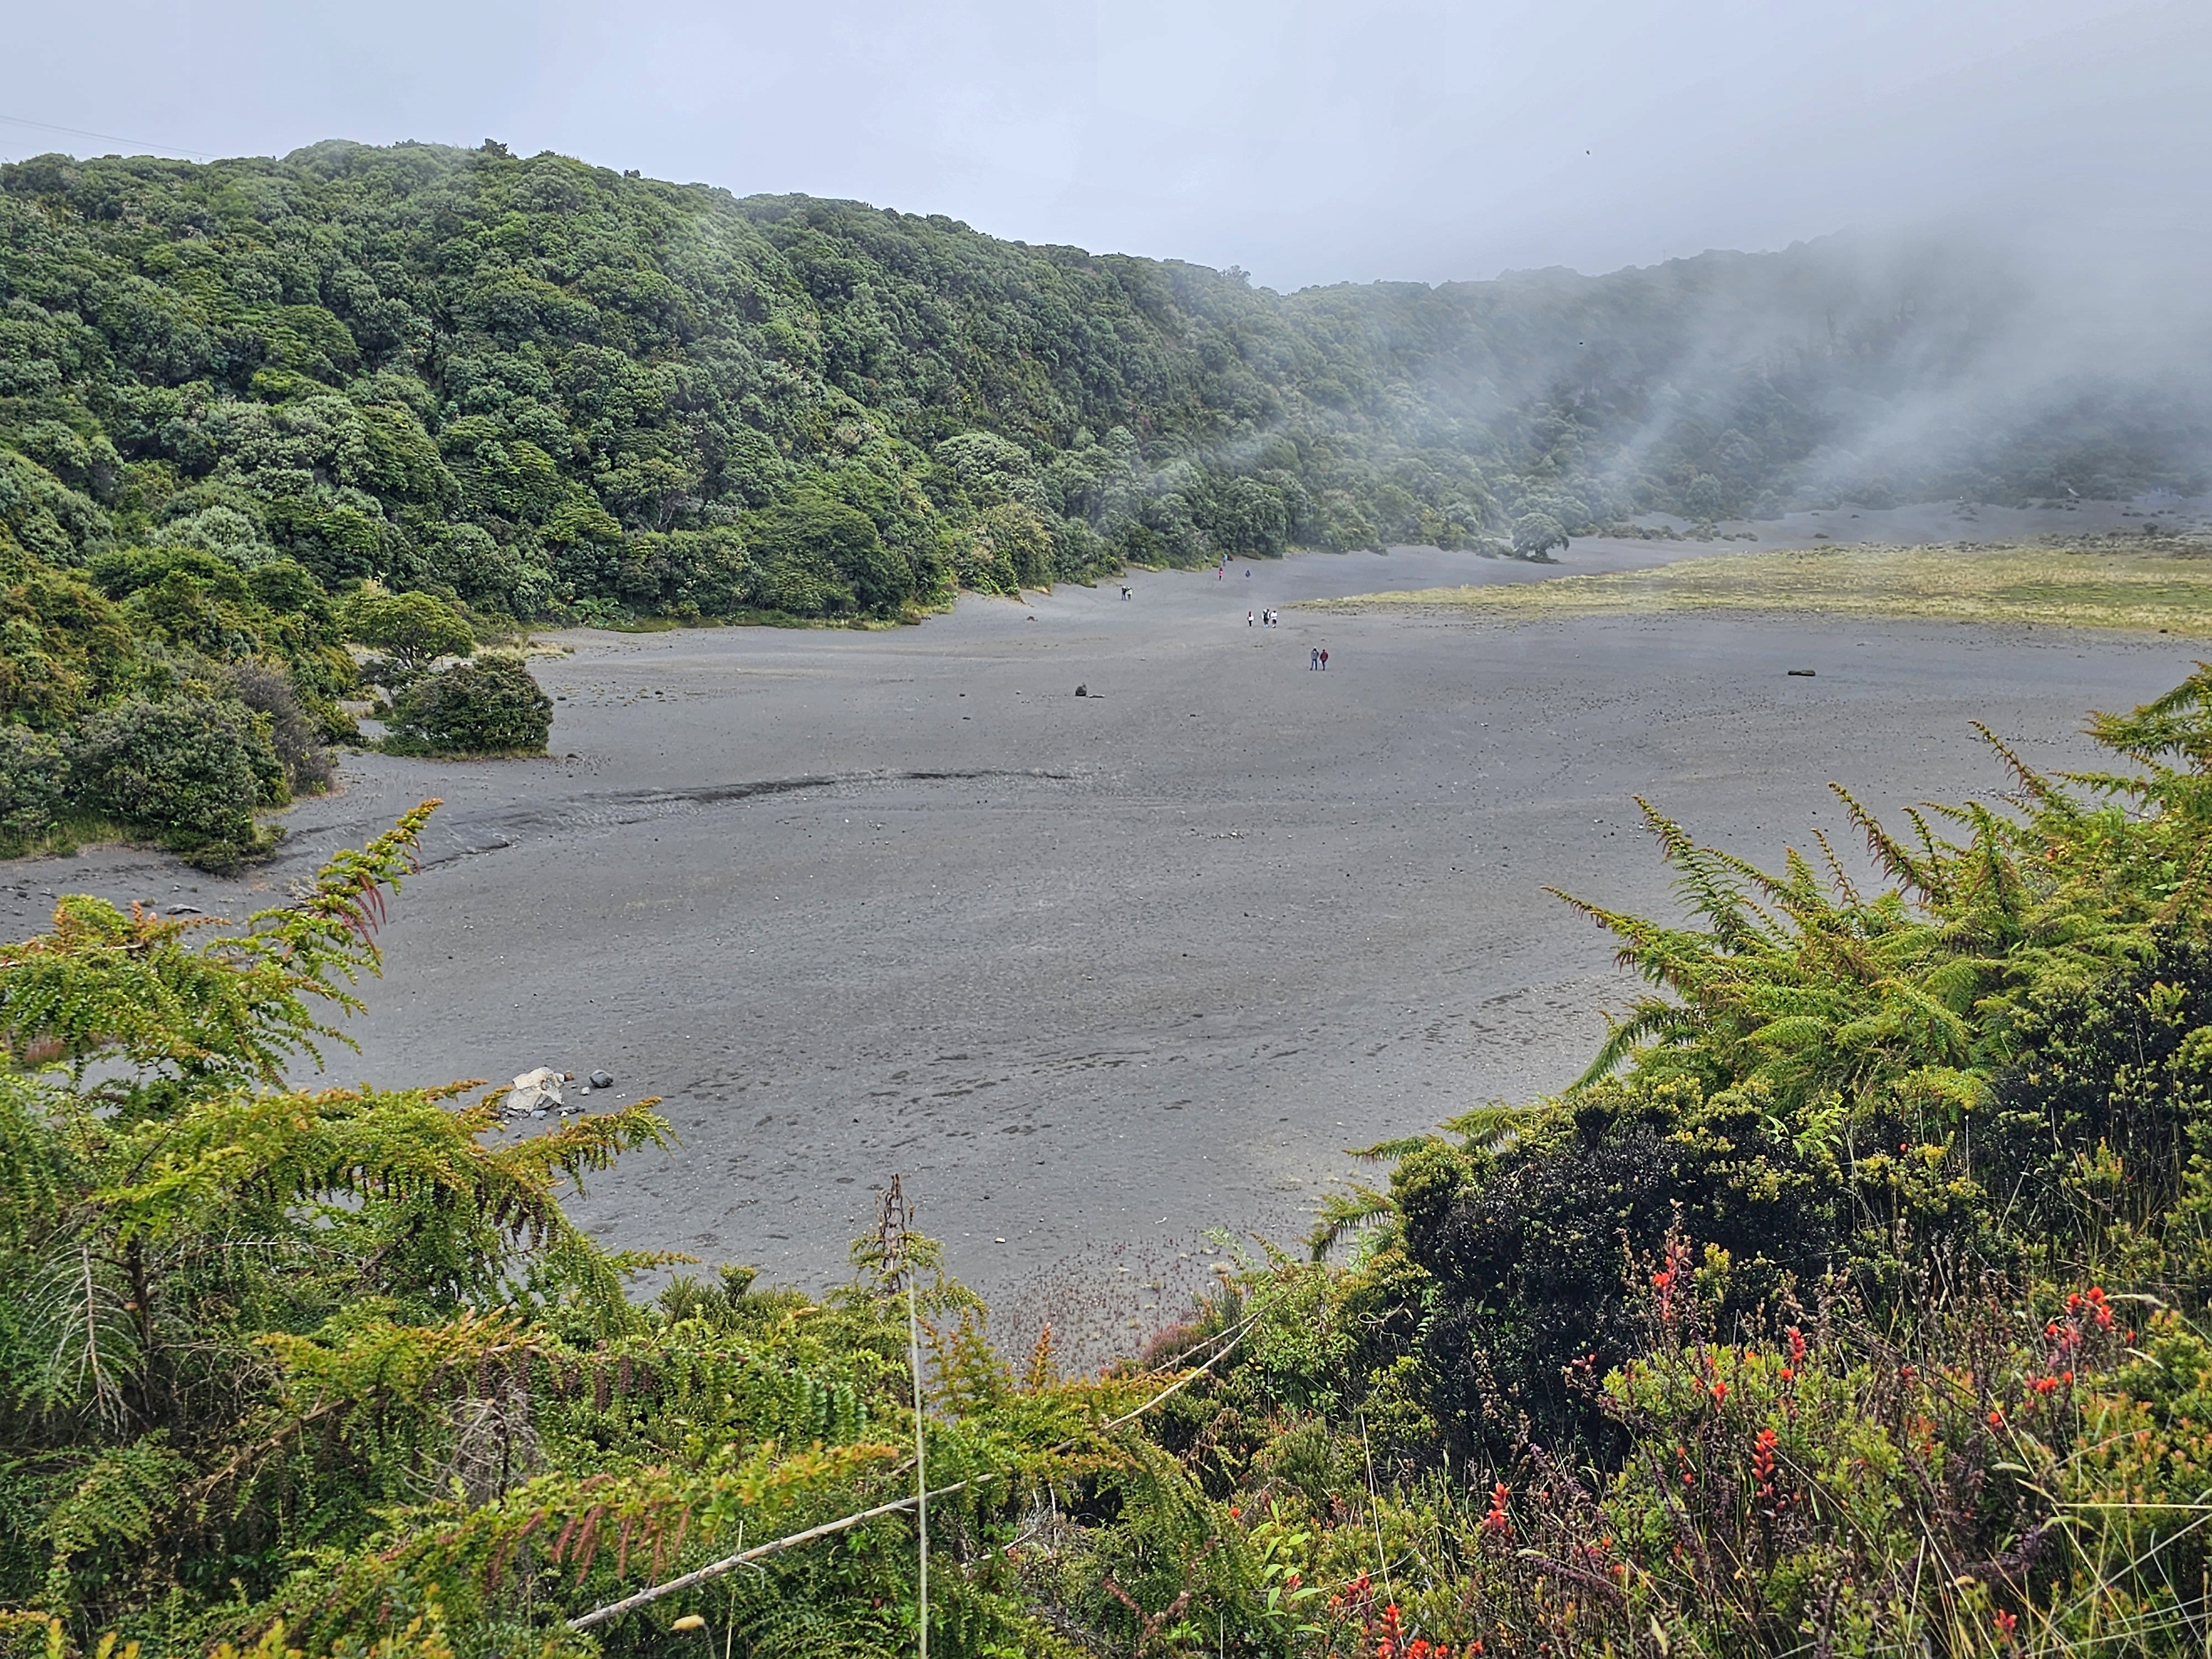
491	707
32	774
268	690
191	769
1535	534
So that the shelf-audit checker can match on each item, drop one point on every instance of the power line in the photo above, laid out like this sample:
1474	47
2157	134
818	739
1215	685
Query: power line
112	138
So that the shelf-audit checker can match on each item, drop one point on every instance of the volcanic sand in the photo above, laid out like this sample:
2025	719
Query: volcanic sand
1095	973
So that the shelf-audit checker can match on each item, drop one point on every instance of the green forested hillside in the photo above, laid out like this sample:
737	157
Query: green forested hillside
554	390
243	404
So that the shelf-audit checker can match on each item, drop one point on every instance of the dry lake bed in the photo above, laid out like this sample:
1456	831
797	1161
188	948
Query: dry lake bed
1098	974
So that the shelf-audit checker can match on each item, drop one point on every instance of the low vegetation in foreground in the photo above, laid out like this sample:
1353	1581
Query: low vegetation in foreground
2153	585
1852	1303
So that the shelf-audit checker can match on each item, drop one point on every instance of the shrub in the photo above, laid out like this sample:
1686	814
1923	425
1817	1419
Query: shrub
63	647
1018	537
818	556
189	769
488	707
267	689
285	584
33	772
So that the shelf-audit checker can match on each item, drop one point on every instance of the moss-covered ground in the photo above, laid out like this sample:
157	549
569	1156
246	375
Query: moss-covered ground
2141	584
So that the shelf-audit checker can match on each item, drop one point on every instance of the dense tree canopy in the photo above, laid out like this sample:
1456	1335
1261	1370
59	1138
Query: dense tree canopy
506	376
257	412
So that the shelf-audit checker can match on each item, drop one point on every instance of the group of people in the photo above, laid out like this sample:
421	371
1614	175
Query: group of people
1317	660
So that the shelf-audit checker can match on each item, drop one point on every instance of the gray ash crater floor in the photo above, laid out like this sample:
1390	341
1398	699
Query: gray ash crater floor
1098	974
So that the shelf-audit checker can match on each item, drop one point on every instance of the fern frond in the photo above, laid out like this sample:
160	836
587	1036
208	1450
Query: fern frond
1343	1214
1492	1125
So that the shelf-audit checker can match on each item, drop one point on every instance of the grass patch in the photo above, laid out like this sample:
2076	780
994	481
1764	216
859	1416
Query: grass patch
75	828
2149	586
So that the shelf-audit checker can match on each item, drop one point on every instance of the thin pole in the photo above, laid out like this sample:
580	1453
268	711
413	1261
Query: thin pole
920	1469
1374	1509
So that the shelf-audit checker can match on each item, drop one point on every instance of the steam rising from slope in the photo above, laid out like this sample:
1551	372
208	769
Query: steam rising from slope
1874	367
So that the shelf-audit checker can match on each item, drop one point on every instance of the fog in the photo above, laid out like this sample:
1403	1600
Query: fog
1306	143
2006	199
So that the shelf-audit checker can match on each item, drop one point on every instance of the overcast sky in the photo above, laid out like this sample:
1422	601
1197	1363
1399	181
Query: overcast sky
1306	142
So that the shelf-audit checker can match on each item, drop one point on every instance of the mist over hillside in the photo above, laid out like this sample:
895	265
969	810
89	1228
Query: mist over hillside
556	391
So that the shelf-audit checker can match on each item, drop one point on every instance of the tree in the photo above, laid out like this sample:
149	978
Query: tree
812	539
1013	534
33	772
414	629
1705	498
1251	516
1535	534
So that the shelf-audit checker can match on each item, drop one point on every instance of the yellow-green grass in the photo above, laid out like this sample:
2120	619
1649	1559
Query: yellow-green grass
2160	586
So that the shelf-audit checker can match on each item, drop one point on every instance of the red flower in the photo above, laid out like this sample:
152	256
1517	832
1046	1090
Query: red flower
1388	1647
1498	1521
1762	1463
1720	1393
2006	1623
1996	1418
1796	1346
